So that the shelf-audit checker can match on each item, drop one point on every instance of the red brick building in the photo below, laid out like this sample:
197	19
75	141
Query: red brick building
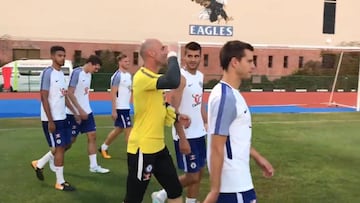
271	61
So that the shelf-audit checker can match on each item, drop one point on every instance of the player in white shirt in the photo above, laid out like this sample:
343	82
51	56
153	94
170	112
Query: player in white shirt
53	92
121	83
229	131
187	99
79	88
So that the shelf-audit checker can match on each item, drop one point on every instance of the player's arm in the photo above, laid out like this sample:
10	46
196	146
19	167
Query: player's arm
114	94
74	79
216	161
71	107
176	97
171	79
268	170
74	102
44	96
203	110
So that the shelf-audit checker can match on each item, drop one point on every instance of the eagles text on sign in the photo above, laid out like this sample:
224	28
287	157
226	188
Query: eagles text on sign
211	30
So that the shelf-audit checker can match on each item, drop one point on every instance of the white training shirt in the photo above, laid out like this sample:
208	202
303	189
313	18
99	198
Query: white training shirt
123	81
229	115
81	81
191	103
53	81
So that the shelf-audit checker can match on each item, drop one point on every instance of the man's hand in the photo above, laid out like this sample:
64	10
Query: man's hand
211	197
77	118
268	170
114	115
184	120
206	127
83	115
184	146
172	47
51	126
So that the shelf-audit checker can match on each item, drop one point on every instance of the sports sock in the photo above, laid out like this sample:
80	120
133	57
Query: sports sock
93	161
43	160
104	146
59	172
162	194
190	200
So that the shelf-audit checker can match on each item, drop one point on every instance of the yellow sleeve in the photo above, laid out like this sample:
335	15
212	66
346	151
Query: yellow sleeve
145	81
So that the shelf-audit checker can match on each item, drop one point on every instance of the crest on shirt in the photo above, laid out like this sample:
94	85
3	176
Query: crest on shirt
86	90
63	92
197	99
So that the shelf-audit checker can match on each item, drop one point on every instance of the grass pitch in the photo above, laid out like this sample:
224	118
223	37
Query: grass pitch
316	158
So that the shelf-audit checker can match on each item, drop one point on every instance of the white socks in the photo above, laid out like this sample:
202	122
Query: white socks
43	160
190	200
162	194
59	171
104	146
93	161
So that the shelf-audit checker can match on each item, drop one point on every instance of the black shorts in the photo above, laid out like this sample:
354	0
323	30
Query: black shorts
140	169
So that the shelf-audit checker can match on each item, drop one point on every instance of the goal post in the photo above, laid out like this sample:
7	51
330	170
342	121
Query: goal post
355	51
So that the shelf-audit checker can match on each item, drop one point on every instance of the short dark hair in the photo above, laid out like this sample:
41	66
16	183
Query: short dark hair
120	57
193	46
94	60
232	49
54	49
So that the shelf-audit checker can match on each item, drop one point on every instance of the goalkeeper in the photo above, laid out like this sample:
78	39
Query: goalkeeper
147	153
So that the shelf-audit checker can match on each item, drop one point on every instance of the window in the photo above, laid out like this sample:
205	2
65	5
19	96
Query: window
301	61
255	60
98	52
136	58
77	56
329	17
26	54
270	61
286	61
206	60
116	53
328	60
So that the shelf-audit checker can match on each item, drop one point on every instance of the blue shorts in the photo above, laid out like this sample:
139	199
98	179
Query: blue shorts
123	120
194	161
84	127
62	135
240	197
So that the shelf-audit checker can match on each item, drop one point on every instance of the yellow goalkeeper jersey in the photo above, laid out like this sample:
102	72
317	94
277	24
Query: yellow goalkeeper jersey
149	114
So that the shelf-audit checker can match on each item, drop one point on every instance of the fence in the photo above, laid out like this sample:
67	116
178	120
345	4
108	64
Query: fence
101	82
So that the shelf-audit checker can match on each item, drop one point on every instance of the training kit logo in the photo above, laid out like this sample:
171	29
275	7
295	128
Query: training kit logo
197	99
213	11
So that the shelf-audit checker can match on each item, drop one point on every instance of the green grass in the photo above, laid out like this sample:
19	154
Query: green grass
316	157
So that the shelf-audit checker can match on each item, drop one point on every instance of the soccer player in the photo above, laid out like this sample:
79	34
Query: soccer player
120	97
187	99
147	153
229	129
53	92
78	92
